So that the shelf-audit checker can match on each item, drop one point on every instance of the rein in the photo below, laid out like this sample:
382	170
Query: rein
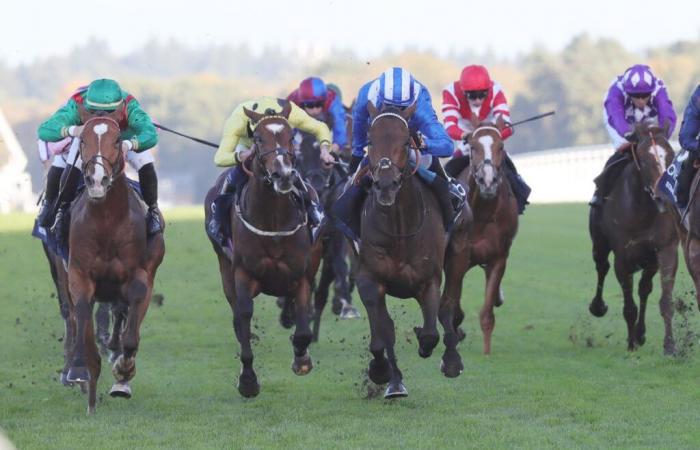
118	161
633	150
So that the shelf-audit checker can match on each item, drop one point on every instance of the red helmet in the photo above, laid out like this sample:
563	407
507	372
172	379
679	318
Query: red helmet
475	78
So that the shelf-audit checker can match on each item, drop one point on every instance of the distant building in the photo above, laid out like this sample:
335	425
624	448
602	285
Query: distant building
15	183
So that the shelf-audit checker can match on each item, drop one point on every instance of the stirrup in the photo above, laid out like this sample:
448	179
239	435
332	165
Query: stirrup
153	225
45	216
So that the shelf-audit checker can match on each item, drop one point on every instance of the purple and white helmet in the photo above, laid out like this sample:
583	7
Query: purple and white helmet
638	79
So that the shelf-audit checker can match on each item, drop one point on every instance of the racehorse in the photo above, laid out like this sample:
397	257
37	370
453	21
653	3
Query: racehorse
690	238
402	247
495	223
640	229
111	259
272	249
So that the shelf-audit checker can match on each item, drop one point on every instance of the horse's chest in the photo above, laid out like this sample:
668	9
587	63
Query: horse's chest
406	271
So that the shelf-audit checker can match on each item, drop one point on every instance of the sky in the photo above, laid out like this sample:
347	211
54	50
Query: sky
32	29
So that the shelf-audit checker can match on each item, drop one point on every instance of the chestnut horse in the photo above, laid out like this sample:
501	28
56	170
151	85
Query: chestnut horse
403	244
111	259
640	229
488	244
272	249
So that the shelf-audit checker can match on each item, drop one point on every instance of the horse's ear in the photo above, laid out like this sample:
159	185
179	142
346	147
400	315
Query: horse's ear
408	112
252	115
373	111
286	107
83	113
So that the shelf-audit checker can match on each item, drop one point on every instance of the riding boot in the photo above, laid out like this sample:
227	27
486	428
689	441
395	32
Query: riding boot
451	197
348	209
605	181
314	210
65	198
218	225
456	165
520	189
46	212
685	179
149	189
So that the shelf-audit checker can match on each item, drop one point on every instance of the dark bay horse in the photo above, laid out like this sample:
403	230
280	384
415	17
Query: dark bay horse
110	259
495	223
690	238
640	229
272	249
403	245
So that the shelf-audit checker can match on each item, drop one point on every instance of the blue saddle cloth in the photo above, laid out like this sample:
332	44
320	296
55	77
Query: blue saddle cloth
669	180
48	237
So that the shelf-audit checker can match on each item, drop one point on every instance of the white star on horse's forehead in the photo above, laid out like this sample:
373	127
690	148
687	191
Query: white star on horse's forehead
275	128
100	129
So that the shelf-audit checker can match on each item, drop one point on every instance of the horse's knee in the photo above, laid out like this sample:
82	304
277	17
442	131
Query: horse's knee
630	311
137	290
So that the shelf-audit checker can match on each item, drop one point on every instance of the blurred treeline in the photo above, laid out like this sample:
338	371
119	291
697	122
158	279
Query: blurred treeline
194	90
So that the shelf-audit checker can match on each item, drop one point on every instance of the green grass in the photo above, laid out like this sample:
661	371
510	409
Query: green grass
557	376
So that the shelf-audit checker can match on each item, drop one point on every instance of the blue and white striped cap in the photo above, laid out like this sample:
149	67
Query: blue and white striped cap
397	87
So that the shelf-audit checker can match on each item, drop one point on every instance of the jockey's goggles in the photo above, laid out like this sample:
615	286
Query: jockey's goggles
476	95
642	95
316	104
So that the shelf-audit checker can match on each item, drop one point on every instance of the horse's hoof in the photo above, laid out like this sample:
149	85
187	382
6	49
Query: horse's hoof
337	306
426	343
452	369
120	389
379	372
461	335
286	321
500	299
395	390
303	365
90	410
78	375
641	339
669	348
598	309
124	369
349	312
248	389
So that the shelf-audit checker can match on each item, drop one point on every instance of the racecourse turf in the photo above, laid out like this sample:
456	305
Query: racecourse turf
557	377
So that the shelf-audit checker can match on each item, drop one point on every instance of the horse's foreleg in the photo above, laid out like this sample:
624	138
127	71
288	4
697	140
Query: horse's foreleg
644	289
455	268
395	388
301	339
371	294
629	310
246	289
82	291
428	336
487	319
321	295
138	296
94	362
668	265
601	251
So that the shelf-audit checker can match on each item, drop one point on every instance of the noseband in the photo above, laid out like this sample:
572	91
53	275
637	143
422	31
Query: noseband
650	137
487	161
116	167
259	155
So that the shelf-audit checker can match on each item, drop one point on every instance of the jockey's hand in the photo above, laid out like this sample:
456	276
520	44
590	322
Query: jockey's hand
629	136
126	146
335	149
244	154
465	135
326	156
75	130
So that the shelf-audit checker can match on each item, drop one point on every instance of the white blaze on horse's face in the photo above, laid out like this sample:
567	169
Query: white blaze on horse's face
489	174
98	188
659	152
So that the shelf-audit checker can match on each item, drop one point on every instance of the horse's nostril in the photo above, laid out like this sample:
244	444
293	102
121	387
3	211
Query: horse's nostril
105	181
89	181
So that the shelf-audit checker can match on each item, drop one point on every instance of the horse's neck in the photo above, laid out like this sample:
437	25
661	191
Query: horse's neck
266	208
404	214
641	201
116	204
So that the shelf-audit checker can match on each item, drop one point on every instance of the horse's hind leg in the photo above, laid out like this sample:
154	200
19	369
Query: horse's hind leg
428	336
668	265
342	296
487	319
94	362
692	260
102	318
644	289
301	339
287	312
601	251
629	310
371	294
321	295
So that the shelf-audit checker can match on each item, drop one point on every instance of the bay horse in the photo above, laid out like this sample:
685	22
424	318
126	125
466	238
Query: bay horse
403	244
111	259
639	228
495	224
690	238
272	249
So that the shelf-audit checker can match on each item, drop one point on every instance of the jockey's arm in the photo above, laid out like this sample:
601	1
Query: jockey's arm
437	141
340	137
667	116
690	128
360	123
57	126
234	129
304	122
141	132
615	108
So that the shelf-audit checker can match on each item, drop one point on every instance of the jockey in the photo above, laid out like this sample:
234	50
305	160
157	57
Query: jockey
633	97
314	97
396	87
689	137
476	96
138	135
236	147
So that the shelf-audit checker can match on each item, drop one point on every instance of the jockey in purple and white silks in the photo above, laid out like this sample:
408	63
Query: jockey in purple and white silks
397	88
635	96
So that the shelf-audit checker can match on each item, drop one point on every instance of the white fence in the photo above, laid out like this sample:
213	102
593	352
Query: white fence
564	174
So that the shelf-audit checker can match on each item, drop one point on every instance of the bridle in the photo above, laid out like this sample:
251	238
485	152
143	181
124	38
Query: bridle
475	169
385	162
259	155
116	167
633	150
